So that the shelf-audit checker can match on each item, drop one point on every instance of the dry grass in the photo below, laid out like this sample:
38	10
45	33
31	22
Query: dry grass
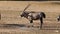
10	14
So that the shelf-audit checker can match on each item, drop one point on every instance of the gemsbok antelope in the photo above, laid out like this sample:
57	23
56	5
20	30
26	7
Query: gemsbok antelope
31	17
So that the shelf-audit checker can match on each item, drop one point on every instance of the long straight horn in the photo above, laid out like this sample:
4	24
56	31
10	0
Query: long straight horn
26	7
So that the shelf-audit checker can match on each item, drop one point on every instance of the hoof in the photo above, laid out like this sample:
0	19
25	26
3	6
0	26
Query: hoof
37	26
32	26
28	26
40	28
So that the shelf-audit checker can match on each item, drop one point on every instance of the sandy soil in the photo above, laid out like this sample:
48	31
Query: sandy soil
10	14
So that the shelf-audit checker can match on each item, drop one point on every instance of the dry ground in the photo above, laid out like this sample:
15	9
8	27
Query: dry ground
10	14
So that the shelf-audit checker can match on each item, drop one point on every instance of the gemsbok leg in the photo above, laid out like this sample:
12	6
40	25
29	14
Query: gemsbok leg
31	22
41	20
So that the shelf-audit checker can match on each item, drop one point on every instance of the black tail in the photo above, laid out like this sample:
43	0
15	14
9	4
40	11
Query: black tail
43	14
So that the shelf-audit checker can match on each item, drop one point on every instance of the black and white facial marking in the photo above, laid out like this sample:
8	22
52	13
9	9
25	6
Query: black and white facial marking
24	14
